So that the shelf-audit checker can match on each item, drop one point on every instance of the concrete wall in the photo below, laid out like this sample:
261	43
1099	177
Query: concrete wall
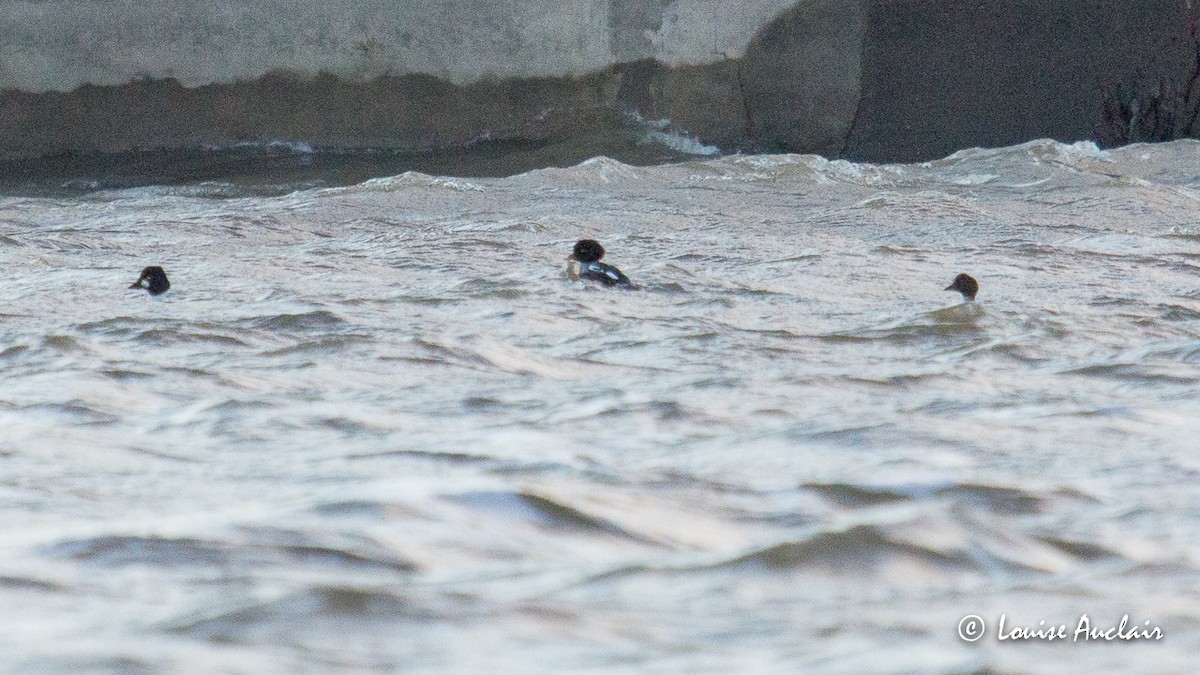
869	79
58	45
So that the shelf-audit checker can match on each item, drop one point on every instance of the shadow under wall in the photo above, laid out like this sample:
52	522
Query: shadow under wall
409	113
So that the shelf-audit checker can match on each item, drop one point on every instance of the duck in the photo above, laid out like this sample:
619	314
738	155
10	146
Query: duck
153	279
584	263
965	284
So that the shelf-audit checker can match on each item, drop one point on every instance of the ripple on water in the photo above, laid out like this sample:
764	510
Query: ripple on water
493	355
1136	373
998	499
18	583
325	345
162	337
96	664
350	427
120	374
1081	550
544	512
65	344
117	325
307	321
857	496
369	509
80	412
961	325
920	551
430	455
14	351
322	616
861	549
1177	313
252	550
503	289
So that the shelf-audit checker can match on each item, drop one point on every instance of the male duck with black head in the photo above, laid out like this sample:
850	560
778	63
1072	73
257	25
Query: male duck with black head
584	263
153	280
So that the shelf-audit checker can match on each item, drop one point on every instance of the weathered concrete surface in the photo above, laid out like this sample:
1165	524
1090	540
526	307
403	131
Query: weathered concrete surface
941	76
882	80
58	45
802	77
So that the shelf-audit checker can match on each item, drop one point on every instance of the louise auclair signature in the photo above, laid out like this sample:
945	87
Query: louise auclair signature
973	627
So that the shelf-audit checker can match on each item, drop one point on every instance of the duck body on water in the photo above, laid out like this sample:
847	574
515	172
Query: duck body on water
153	279
584	264
965	284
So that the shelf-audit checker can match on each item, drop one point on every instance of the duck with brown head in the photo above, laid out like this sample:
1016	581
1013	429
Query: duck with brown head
965	284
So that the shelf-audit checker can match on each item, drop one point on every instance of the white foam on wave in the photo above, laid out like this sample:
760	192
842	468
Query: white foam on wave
818	168
598	170
844	170
205	190
1039	149
660	131
608	167
1087	149
924	205
789	167
688	145
291	147
974	179
409	180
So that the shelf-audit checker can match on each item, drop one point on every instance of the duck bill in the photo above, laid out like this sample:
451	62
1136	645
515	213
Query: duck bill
950	288
137	284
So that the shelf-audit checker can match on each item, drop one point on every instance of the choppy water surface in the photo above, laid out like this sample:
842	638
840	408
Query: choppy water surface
375	428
